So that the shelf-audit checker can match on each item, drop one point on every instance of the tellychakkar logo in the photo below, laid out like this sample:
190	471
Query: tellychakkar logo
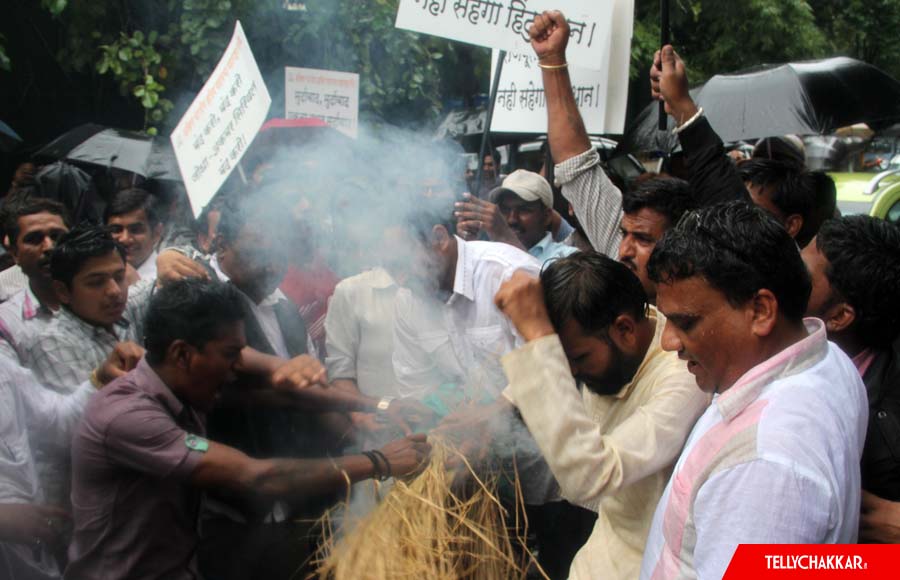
813	561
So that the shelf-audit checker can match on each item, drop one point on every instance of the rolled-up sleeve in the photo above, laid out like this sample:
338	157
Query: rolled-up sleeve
342	335
144	438
596	200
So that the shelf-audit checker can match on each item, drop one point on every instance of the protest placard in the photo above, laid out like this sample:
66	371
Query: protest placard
601	95
328	95
220	124
504	24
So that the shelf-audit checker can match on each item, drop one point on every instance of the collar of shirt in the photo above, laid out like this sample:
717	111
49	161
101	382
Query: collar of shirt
464	279
74	323
863	361
32	306
796	358
147	270
153	385
654	349
381	279
540	247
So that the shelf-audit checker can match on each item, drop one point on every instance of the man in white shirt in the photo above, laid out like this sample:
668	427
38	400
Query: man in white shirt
133	220
29	528
775	458
448	334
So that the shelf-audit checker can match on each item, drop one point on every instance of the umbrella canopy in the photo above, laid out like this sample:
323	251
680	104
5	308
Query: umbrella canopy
9	139
150	157
803	98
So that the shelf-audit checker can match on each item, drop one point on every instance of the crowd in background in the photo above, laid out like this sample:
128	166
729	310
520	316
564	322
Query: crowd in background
679	364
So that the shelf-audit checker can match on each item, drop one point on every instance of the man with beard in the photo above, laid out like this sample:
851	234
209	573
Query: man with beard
33	227
611	444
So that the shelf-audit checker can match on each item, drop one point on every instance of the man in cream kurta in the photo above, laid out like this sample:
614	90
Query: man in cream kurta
612	454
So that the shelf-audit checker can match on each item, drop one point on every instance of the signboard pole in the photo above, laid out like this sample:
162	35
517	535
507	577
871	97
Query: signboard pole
663	40
495	83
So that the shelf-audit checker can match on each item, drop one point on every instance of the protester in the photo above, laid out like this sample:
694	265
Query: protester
30	528
854	263
596	200
649	209
447	329
775	178
97	312
612	446
776	458
133	219
141	456
490	174
98	308
519	212
33	228
799	200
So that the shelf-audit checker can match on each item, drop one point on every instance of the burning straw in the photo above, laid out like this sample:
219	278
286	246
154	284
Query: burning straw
429	528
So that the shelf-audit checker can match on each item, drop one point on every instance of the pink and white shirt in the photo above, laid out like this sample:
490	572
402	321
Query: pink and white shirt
774	459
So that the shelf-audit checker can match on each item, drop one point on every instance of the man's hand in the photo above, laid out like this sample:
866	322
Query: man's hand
474	215
408	455
172	266
22	523
879	522
410	415
300	372
521	299
549	37
670	84
123	358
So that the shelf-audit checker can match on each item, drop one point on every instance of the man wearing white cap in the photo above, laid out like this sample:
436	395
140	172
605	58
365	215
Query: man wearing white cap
519	213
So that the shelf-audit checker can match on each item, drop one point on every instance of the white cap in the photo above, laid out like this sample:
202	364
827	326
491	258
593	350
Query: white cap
526	184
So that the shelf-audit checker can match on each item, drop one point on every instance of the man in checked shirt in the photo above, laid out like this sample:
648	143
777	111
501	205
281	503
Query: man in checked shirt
98	311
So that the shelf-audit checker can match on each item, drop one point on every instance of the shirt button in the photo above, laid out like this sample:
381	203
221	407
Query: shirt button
881	414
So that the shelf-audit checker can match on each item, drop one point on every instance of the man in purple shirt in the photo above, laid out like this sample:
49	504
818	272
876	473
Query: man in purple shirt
140	458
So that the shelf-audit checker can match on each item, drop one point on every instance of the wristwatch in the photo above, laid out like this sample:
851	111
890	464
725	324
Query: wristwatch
384	404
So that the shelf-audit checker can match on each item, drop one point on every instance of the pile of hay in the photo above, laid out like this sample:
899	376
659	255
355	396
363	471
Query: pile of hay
429	528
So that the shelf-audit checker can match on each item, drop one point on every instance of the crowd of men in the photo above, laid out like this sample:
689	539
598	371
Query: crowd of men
681	364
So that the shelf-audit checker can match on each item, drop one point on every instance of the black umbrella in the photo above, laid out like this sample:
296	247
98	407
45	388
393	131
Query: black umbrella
149	157
803	98
9	139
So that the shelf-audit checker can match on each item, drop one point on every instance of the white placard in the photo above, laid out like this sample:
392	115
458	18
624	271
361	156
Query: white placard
504	24
521	106
328	95
220	124
602	95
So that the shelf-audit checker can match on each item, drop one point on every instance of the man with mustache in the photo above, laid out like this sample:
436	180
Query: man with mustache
519	213
33	227
775	458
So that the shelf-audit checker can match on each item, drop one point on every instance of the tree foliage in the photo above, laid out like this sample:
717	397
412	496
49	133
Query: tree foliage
140	44
159	52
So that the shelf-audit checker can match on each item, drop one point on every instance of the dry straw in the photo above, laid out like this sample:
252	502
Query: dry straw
434	527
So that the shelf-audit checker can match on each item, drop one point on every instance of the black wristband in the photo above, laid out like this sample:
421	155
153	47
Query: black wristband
374	459
387	464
